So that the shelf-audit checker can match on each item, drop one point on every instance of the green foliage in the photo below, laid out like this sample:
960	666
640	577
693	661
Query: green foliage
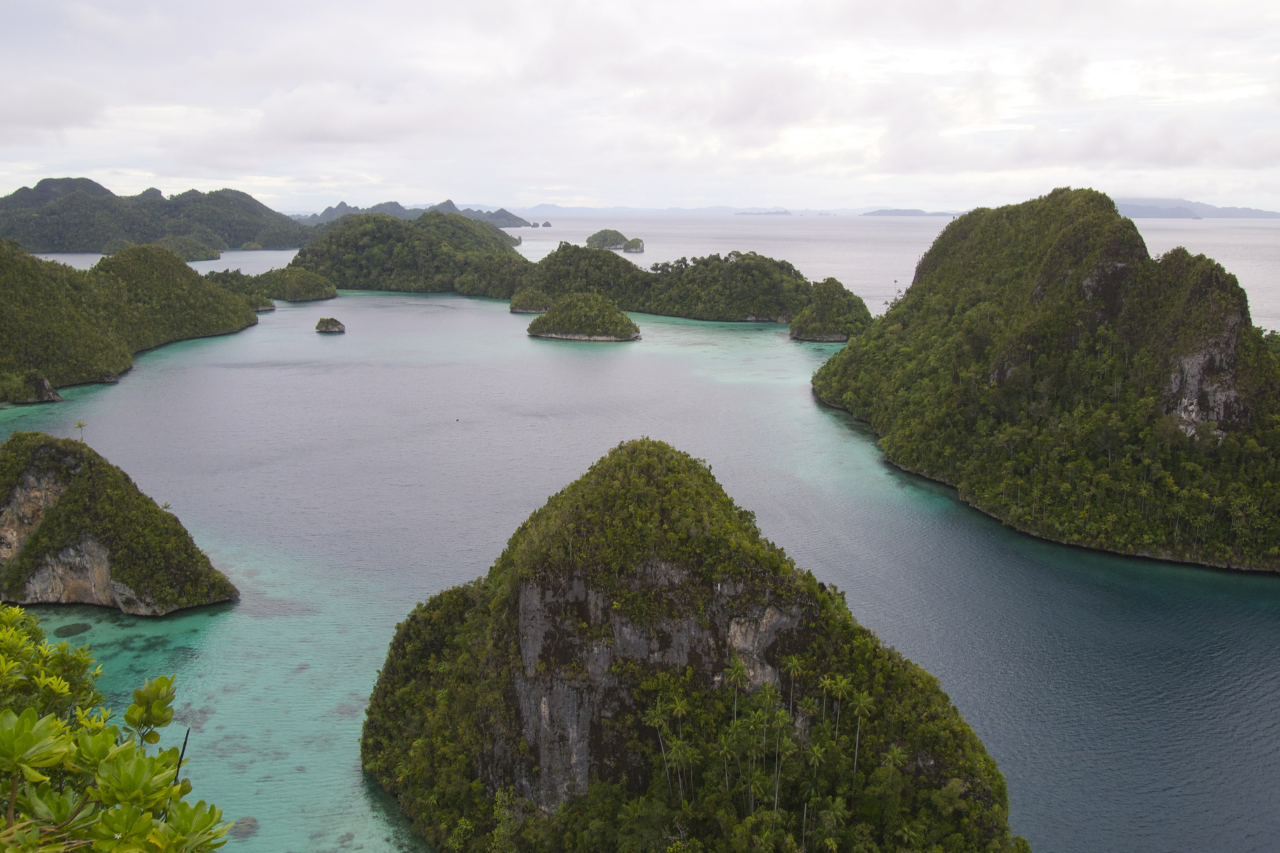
635	244
690	758
606	239
188	248
833	314
530	300
71	326
1030	365
291	284
584	315
434	253
149	550
70	780
75	215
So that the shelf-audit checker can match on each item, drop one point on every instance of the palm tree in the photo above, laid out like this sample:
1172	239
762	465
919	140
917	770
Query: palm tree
80	425
657	718
842	689
682	757
736	676
792	665
826	683
861	708
679	709
894	756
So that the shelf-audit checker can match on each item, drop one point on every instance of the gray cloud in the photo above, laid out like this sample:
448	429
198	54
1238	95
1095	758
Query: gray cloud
663	103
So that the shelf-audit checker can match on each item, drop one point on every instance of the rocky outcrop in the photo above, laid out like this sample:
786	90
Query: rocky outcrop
81	574
561	336
74	529
570	641
331	326
1202	385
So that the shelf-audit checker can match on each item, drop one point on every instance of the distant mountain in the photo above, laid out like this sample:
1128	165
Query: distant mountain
1180	208
81	215
341	209
906	212
501	217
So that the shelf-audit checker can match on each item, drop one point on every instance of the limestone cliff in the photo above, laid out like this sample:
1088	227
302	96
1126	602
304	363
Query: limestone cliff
75	530
641	667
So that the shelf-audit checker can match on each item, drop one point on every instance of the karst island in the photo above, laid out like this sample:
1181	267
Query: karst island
74	529
585	317
642	670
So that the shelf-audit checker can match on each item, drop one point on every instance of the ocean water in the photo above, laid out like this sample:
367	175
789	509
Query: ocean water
338	480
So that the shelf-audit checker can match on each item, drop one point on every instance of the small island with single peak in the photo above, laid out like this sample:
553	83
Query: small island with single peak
608	238
330	326
833	314
634	246
74	529
546	225
530	300
585	317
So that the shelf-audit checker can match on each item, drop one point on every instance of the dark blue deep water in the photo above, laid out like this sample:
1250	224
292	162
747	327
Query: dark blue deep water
1133	706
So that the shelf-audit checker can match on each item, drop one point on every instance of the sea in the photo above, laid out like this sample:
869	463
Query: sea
1132	705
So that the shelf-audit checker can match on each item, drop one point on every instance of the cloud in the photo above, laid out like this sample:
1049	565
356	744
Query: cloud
663	103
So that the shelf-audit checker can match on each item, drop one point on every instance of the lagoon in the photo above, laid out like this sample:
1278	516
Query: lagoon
338	480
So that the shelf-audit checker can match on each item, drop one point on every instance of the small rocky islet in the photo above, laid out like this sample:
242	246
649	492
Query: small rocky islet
585	317
74	529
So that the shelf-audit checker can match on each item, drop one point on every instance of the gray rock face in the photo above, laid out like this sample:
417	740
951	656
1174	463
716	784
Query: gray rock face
1202	385
570	639
76	575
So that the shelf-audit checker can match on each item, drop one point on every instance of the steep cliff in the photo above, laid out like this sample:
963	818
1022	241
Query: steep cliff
1073	386
640	668
74	529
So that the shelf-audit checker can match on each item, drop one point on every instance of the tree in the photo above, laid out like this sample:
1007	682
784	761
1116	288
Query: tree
861	708
74	780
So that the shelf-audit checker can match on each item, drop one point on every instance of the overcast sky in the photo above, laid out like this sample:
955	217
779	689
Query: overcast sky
922	103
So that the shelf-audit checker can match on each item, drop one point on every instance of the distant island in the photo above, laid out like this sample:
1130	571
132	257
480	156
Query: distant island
585	317
1180	208
74	529
906	212
80	215
763	213
607	238
62	326
1077	389
290	284
641	665
330	326
446	252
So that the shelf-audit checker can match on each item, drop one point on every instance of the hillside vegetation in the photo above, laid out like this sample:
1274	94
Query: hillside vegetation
585	315
71	326
149	550
1076	388
641	670
79	215
291	284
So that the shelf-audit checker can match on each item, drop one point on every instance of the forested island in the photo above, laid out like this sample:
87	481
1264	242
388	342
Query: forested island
641	670
290	284
80	215
1069	384
74	529
585	317
833	314
439	253
530	300
62	326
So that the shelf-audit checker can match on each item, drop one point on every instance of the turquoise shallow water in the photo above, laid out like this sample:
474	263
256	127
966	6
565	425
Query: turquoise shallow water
340	479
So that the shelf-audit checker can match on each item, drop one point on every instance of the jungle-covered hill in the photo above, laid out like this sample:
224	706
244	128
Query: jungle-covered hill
1076	388
71	326
584	316
80	215
76	530
641	670
439	253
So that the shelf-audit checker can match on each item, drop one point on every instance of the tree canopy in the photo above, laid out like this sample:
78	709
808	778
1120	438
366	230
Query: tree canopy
72	779
1076	388
850	747
585	315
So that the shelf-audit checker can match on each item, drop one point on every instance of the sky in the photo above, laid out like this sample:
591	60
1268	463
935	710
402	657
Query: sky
937	104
